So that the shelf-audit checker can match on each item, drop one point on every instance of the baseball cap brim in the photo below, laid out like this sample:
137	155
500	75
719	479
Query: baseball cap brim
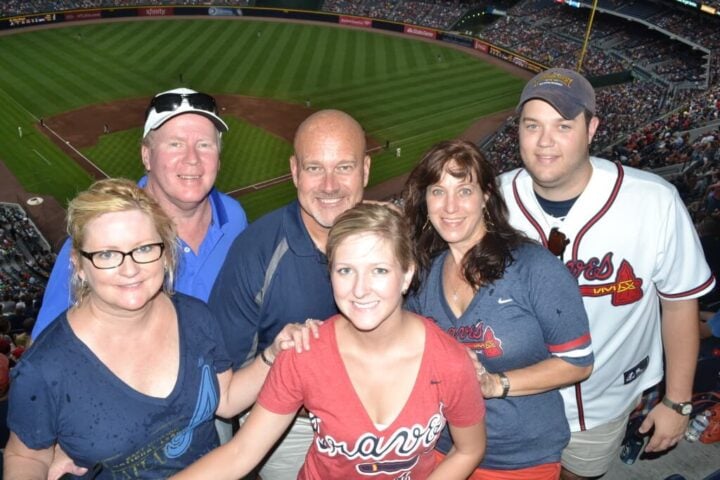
567	91
156	120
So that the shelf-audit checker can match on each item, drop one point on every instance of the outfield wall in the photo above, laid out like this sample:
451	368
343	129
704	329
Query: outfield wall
18	22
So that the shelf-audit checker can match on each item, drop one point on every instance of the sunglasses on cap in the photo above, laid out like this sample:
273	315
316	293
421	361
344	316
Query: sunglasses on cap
168	102
557	241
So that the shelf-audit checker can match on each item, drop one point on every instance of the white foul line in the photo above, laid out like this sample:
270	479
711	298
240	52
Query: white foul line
41	156
55	133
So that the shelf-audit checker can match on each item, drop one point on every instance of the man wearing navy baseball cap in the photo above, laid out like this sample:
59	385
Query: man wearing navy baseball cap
181	154
628	239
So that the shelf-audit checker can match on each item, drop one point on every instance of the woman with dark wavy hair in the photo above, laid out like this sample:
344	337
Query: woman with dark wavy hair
512	303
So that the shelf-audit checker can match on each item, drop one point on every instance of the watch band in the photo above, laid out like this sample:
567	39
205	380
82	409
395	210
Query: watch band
505	384
683	408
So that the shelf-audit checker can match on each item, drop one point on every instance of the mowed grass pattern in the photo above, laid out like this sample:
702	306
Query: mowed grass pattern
409	92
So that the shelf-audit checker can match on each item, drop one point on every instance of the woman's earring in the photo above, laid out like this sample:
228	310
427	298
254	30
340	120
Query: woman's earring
427	223
488	221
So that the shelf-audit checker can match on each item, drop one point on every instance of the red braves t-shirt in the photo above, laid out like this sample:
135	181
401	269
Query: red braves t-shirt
347	444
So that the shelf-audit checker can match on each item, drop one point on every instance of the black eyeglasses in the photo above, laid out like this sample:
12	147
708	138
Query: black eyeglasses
168	102
107	259
557	241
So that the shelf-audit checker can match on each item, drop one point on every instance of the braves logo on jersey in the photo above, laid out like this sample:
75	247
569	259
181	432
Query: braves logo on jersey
624	289
478	338
409	443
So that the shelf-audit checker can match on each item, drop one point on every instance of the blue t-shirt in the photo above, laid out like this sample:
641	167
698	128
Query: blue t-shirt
534	312
62	393
274	275
195	275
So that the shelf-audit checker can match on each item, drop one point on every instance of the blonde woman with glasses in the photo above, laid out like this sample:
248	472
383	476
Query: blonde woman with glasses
128	380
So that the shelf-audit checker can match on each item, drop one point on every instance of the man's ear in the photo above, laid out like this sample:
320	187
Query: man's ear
592	128
145	155
294	169
366	170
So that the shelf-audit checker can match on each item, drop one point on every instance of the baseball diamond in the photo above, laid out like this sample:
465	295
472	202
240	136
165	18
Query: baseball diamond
395	87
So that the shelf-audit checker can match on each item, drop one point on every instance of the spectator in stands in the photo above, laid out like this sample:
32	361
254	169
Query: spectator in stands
17	318
5	329
7	304
509	301
22	342
595	207
379	384
141	416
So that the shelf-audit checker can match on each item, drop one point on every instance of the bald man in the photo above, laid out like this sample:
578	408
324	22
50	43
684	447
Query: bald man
276	271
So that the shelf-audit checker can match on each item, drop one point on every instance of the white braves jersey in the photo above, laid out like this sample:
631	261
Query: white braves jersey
631	241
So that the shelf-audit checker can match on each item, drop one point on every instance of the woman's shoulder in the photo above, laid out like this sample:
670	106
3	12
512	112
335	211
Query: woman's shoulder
533	255
193	315
51	353
191	310
56	336
183	300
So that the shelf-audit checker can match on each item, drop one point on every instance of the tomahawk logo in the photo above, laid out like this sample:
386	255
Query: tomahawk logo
624	290
478	338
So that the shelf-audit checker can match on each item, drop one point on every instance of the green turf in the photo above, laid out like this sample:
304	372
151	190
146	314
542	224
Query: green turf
409	92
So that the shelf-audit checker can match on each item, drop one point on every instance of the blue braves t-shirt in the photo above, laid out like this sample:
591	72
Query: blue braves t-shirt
62	393
532	313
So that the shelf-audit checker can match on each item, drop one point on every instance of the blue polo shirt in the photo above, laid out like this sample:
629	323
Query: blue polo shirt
196	272
273	275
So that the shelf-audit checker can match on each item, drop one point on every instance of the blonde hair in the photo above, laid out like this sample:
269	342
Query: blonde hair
378	219
118	195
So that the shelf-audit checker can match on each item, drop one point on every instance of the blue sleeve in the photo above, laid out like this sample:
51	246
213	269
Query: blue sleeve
57	293
32	411
559	309
206	323
197	320
232	302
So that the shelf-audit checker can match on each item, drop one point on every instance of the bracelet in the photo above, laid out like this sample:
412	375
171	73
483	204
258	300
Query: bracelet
265	359
505	384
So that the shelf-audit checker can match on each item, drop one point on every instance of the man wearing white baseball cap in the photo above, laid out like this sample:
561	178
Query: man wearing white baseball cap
181	153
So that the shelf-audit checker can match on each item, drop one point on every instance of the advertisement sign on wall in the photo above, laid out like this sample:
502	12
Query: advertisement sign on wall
355	21
420	32
86	15
155	12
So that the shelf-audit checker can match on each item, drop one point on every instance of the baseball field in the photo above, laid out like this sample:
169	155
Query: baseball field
403	91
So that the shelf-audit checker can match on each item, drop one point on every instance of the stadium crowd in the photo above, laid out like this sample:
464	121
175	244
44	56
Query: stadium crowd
552	34
25	263
23	7
441	14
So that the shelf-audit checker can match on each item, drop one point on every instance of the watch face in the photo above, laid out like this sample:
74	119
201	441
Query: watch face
685	409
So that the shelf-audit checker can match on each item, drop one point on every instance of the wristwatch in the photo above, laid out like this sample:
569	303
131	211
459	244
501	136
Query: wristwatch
683	408
505	384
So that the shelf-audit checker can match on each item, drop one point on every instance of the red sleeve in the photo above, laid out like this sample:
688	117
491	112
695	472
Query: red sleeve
282	392
462	396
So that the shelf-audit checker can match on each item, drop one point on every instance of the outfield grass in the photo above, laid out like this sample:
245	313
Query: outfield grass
409	92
